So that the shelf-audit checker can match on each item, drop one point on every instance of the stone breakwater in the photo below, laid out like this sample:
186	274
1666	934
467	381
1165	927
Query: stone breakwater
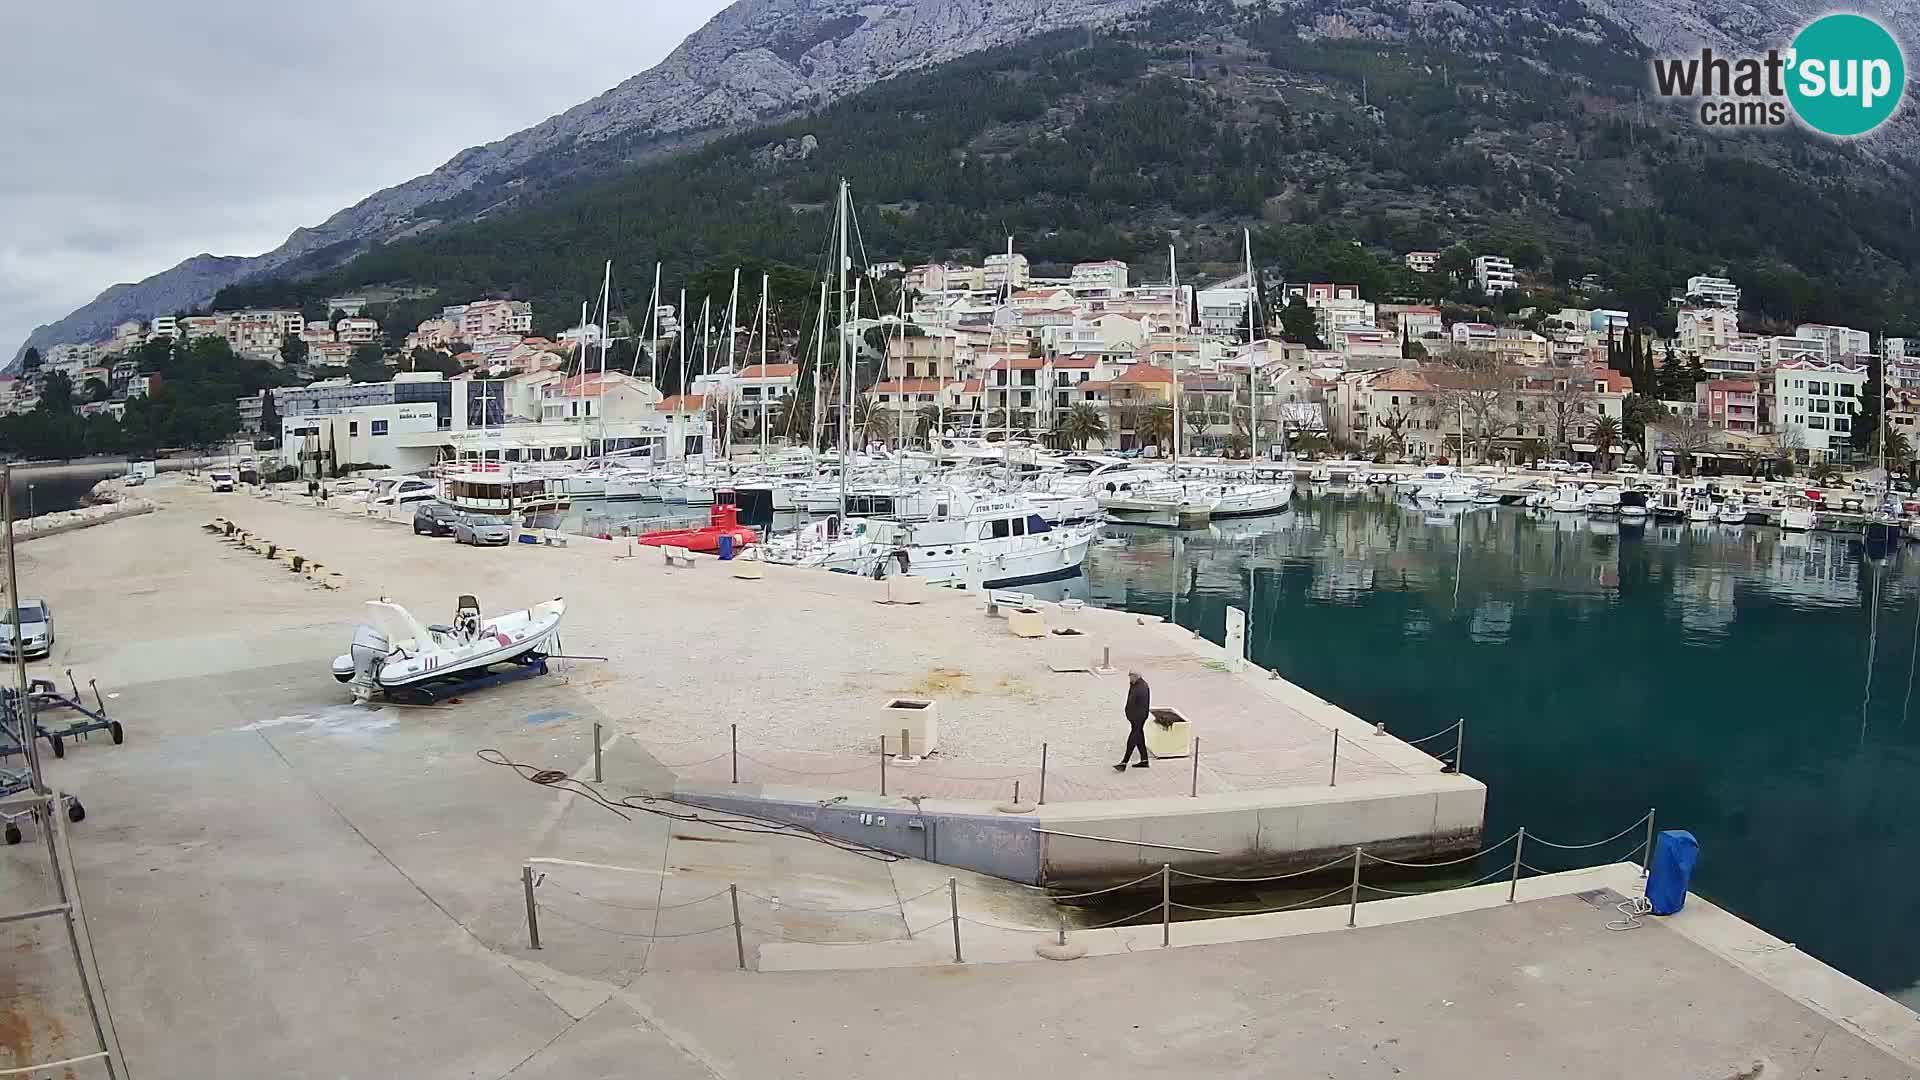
112	500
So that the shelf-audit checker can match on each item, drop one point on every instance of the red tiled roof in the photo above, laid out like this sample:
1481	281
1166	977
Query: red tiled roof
684	403
1075	363
971	386
769	371
1094	384
1401	379
1145	373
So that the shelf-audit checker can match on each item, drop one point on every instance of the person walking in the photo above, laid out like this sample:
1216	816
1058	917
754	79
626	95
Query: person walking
1139	704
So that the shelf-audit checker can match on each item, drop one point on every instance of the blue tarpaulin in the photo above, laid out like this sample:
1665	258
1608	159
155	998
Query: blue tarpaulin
1674	853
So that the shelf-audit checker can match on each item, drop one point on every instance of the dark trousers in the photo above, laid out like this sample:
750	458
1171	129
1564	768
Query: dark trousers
1136	739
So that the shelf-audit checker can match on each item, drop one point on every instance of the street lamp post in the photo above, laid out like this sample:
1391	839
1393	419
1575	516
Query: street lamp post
29	502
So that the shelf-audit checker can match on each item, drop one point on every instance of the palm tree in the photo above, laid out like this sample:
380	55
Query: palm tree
1899	450
926	423
1083	424
1379	448
1605	434
1310	444
793	418
1825	474
1155	426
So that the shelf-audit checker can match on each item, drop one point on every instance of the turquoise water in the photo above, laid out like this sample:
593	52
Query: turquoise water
1720	675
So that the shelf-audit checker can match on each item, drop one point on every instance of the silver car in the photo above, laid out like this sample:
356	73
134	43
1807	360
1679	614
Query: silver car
36	629
481	530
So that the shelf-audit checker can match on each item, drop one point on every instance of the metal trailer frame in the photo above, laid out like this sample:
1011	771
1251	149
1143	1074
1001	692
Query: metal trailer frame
46	698
525	666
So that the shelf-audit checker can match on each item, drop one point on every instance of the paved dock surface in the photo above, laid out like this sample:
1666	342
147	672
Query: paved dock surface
280	884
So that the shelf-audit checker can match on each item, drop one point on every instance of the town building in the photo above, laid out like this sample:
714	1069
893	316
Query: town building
1729	404
356	331
1701	329
1713	291
347	305
1224	312
1006	272
163	326
1422	262
1815	402
1840	340
1105	278
758	390
1494	274
1421	324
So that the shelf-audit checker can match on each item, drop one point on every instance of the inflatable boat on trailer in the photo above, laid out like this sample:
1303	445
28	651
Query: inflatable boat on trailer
395	655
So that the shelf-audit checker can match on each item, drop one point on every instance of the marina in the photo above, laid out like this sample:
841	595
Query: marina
803	704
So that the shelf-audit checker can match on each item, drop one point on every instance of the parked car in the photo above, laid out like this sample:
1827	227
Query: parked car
220	479
481	530
36	629
434	519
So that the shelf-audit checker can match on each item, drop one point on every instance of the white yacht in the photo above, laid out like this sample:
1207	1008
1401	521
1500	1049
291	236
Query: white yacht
998	538
1699	506
1242	500
495	490
1568	499
1604	501
401	490
1798	516
1733	511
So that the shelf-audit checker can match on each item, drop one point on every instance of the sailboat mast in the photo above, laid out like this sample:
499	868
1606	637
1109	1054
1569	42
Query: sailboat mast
1179	326
653	321
1253	376
680	341
819	370
606	339
940	369
846	394
1006	460
764	335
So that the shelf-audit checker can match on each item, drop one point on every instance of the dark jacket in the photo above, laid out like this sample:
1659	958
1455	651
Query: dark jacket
1139	698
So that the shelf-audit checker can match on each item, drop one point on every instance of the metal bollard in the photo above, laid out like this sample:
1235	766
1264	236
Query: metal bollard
533	913
1646	858
1333	775
1016	793
1063	927
735	736
596	751
739	942
1513	884
1194	791
1353	894
953	899
1043	774
883	764
1460	747
1166	904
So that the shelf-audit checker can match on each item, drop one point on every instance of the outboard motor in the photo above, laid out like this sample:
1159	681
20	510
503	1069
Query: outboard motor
360	667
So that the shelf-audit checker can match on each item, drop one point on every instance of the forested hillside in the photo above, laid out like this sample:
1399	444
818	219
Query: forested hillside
1343	135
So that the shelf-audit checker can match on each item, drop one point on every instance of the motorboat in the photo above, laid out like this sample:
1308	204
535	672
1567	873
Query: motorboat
1243	500
1568	499
1604	501
1320	474
401	490
1669	504
489	489
1733	511
1378	479
997	539
1700	508
393	651
1458	489
1633	505
1798	515
1433	476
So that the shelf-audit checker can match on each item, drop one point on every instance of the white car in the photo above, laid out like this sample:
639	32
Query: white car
220	480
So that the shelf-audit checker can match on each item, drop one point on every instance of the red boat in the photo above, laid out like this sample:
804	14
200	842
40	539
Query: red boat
722	520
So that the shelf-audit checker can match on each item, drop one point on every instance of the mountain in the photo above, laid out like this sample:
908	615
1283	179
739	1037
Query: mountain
756	60
764	60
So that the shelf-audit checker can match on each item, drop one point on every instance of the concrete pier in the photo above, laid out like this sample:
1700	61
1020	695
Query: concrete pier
282	884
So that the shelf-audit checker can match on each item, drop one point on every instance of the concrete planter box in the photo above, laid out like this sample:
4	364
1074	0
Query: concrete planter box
1169	735
911	726
1027	623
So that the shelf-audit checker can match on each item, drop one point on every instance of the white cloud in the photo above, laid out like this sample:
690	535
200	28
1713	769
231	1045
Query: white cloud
147	133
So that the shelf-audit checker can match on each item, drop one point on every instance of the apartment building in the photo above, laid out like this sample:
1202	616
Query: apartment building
1417	323
1818	399
1223	312
355	331
1702	329
1494	274
163	326
1107	277
1422	262
1840	340
1006	272
1713	291
1729	404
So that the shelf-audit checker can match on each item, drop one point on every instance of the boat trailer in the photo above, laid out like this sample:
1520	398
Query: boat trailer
47	698
525	666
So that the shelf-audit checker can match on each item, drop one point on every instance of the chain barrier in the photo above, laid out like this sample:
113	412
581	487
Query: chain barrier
911	935
641	907
773	903
1598	843
564	917
1450	862
1448	730
1500	871
1341	861
1095	892
1267	911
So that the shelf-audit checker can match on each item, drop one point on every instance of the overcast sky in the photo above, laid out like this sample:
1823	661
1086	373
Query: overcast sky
140	133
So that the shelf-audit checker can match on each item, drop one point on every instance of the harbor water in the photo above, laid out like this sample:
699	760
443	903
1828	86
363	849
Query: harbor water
1754	687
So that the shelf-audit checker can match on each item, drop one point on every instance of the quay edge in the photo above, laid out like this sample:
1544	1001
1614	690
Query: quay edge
1259	832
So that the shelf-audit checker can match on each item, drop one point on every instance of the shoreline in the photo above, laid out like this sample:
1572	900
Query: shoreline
109	500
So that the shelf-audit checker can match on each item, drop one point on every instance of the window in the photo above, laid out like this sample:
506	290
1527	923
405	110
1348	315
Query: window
1817	423
1846	389
1001	529
1841	423
1019	526
379	427
353	428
